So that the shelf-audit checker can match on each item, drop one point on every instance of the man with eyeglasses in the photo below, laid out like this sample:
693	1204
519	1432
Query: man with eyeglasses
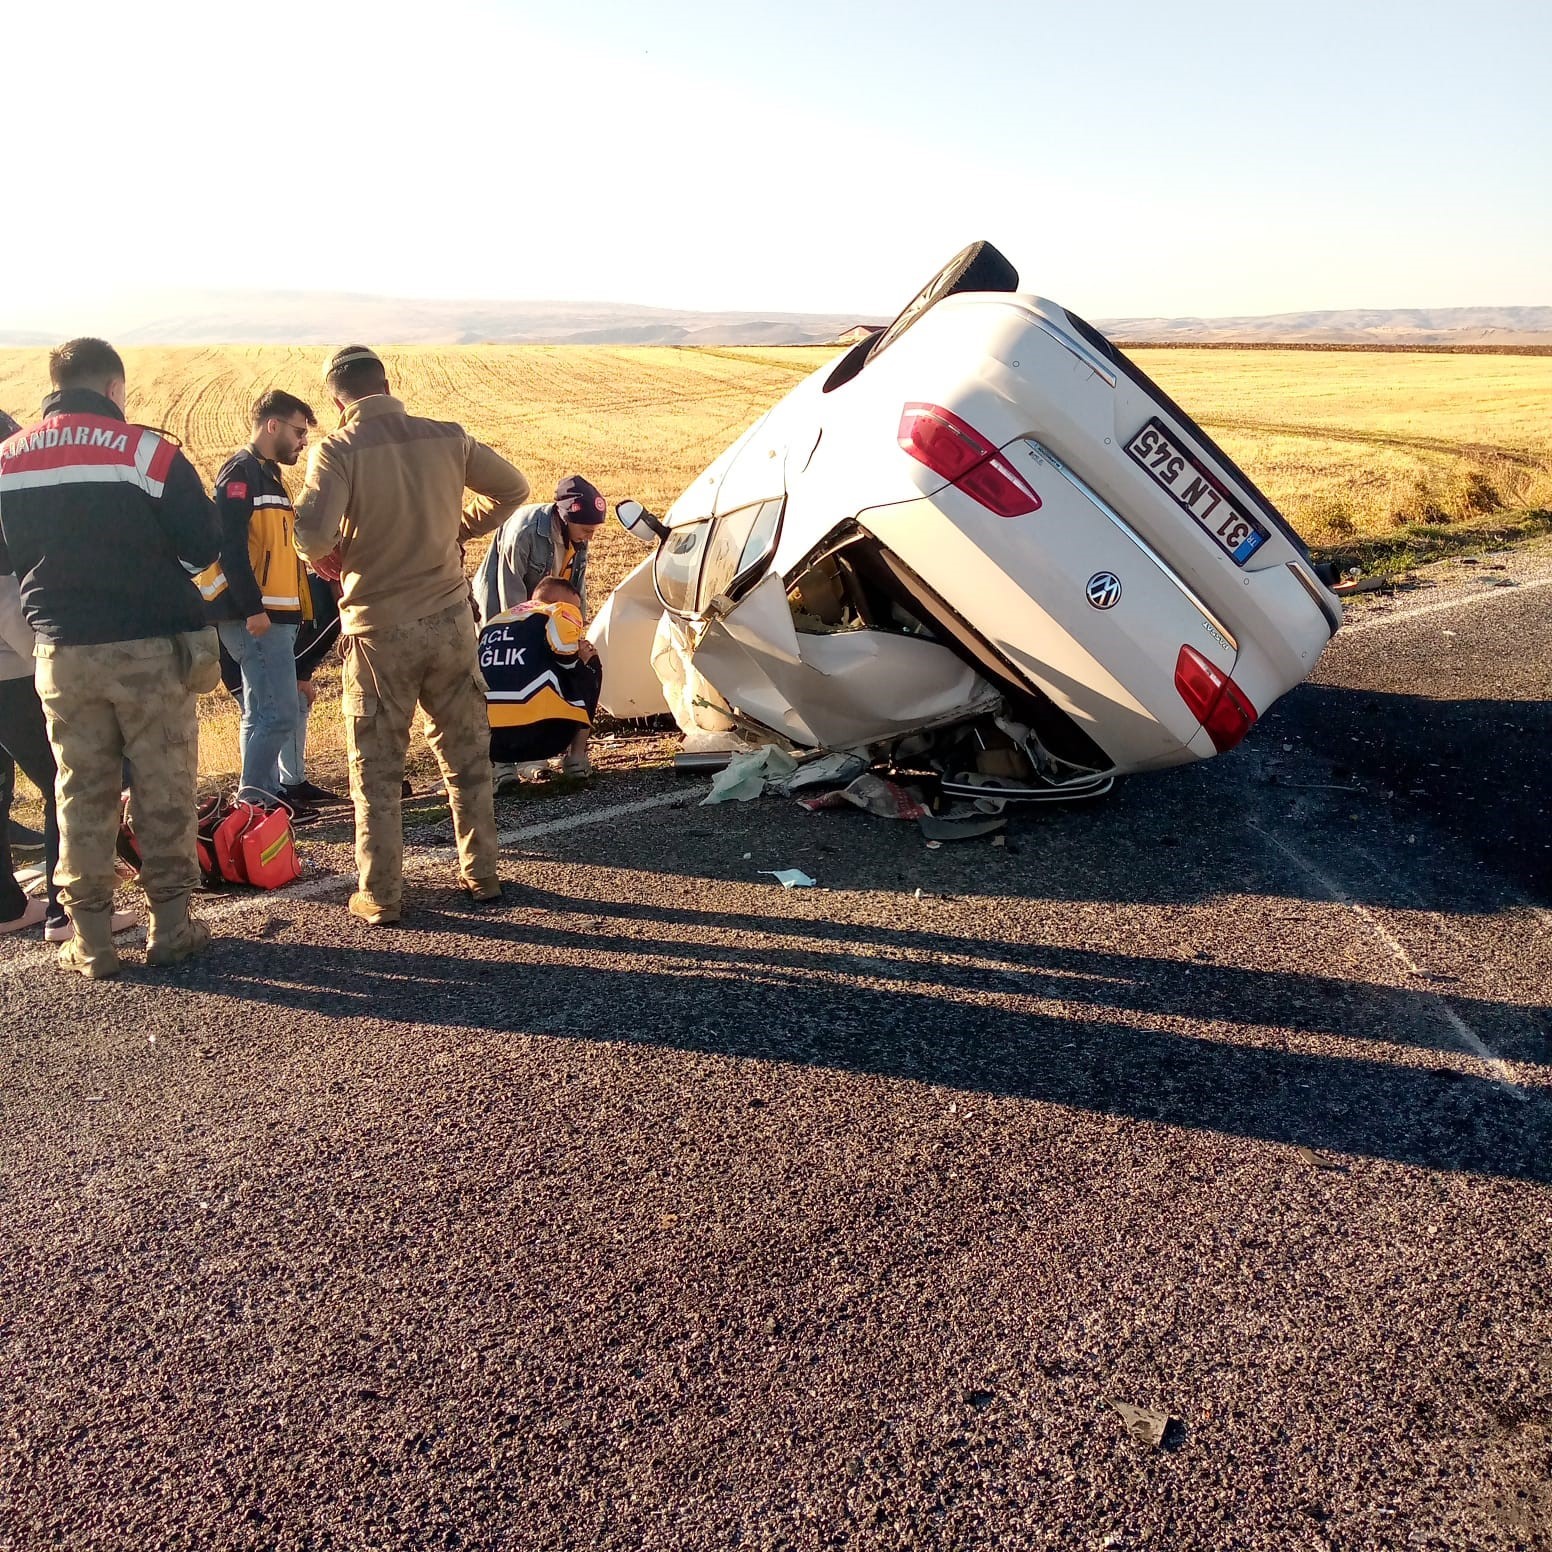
257	594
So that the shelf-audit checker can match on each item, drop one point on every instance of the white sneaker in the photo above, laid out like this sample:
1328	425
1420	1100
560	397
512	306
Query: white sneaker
32	913
123	921
506	777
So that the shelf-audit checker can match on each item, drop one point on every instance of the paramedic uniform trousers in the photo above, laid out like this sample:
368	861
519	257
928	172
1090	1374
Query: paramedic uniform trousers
388	671
107	703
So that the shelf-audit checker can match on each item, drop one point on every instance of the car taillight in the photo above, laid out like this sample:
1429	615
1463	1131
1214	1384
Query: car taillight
1215	700
957	451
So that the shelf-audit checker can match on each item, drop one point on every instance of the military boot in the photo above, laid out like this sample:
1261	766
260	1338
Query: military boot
90	952
174	934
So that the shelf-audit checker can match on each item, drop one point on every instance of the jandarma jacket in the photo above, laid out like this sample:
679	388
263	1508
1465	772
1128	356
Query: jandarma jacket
259	570
104	524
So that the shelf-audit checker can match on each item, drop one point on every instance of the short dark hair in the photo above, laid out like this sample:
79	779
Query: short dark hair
277	404
85	363
358	375
546	588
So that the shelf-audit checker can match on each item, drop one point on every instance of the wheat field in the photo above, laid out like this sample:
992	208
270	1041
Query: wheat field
1348	444
1351	446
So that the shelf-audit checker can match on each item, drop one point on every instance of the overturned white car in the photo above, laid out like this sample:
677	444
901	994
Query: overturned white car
982	541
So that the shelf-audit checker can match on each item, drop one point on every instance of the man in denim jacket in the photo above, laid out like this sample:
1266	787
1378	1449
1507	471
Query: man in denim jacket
547	540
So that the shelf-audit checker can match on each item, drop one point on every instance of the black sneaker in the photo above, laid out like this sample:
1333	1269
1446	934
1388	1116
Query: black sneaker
311	794
25	839
302	814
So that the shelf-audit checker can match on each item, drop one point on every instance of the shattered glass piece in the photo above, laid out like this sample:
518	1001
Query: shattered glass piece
1144	1424
790	878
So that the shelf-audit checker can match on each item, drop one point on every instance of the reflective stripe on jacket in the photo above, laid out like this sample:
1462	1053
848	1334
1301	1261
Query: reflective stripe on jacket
532	668
104	524
259	569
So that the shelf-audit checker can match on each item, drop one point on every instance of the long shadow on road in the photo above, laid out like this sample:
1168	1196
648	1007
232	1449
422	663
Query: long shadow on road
946	1025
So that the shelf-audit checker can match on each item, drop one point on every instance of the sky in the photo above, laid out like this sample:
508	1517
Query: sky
1132	158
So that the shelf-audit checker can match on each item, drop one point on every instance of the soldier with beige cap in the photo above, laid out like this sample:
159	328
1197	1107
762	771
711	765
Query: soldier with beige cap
386	490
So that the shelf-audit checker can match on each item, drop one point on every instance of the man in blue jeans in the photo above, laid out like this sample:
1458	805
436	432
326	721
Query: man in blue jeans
257	593
315	639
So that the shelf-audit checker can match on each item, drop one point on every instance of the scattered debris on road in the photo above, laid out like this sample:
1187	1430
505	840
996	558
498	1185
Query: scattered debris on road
1144	1424
828	770
961	826
873	795
746	776
1348	586
790	878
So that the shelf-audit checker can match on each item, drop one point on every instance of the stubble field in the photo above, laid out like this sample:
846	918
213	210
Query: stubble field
1352	446
1357	449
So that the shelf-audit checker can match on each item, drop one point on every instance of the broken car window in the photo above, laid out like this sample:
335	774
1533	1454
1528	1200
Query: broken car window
678	566
739	542
716	555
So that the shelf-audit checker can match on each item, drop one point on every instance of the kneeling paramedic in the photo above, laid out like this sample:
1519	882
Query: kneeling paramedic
542	678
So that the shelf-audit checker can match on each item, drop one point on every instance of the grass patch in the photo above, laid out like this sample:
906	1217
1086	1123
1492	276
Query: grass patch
1411	545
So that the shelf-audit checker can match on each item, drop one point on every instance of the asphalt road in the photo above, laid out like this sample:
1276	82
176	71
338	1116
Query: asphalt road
669	1209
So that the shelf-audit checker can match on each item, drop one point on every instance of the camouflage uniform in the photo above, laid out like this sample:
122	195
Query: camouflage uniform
431	661
107	703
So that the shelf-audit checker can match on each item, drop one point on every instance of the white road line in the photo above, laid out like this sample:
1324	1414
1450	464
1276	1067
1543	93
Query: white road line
1374	621
1501	1071
343	882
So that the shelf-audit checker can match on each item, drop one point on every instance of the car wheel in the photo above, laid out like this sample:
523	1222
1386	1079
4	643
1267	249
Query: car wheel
980	267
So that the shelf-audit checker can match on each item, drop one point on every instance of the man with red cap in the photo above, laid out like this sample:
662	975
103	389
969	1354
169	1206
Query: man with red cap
547	540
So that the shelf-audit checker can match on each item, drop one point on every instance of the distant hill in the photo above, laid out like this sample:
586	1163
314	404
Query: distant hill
330	318
1351	326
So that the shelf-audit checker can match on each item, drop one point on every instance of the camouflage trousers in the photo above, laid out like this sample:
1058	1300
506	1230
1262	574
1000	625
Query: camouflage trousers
107	703
388	672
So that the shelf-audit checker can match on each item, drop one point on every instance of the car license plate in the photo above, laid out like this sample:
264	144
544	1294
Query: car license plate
1197	491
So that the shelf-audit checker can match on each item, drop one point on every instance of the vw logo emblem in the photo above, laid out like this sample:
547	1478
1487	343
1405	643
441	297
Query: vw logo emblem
1103	590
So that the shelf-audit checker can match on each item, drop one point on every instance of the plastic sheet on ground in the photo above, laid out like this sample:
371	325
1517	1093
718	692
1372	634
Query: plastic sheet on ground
960	826
830	770
1144	1424
790	878
745	775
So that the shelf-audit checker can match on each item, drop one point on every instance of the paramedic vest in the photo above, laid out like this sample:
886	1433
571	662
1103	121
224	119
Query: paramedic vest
528	657
259	570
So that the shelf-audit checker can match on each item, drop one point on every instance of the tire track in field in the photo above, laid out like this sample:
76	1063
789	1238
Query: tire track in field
1372	439
209	411
174	415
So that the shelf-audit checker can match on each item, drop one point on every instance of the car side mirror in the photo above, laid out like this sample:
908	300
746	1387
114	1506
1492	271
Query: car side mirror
640	523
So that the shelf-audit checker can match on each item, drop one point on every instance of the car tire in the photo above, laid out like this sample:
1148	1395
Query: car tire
980	267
